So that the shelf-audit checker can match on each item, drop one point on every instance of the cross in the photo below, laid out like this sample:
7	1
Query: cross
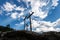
28	17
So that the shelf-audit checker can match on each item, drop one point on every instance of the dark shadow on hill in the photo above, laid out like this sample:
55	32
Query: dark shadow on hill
26	35
5	28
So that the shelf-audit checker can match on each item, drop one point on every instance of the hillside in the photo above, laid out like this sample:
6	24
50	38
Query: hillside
6	28
7	33
27	35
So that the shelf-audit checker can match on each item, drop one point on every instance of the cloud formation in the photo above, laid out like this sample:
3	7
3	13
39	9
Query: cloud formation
55	2
39	5
14	15
40	8
19	8
9	7
45	26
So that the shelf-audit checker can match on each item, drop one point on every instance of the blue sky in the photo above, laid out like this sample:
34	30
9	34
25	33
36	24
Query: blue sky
54	14
46	14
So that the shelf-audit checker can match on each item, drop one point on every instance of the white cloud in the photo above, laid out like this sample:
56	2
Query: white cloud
38	4
35	23
45	29
57	22
14	15
19	8
46	26
36	8
22	23
8	6
20	15
55	2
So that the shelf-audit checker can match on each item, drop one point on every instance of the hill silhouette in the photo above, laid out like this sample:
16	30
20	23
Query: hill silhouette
6	28
27	35
8	33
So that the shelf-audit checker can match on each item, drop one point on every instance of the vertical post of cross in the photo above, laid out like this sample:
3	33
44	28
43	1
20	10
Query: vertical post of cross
30	21
30	24
24	24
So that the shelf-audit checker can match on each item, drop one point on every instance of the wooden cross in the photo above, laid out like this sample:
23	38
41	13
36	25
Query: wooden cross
28	17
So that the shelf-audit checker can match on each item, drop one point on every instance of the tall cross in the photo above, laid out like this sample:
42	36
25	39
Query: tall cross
28	17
